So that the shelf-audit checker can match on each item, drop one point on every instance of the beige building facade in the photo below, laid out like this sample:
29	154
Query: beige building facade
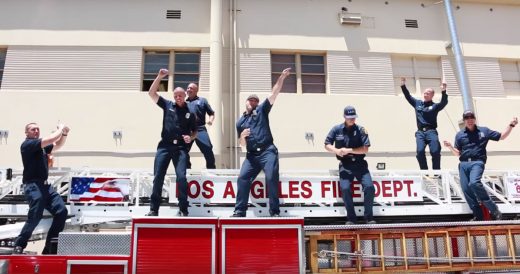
85	63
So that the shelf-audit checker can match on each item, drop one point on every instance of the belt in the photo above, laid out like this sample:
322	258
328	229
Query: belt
178	141
426	128
37	182
351	160
473	160
258	149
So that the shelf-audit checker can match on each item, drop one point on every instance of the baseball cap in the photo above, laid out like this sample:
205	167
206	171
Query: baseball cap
350	112
468	114
253	97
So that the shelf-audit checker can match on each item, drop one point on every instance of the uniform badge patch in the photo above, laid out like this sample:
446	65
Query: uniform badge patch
188	115
365	131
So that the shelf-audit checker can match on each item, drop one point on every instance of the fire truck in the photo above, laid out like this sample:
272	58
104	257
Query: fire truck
422	225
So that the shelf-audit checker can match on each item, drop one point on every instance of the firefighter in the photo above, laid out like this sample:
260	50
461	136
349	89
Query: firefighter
426	116
470	146
255	134
38	193
200	107
178	131
349	142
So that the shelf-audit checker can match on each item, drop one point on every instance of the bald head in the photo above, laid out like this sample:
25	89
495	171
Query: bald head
179	95
192	90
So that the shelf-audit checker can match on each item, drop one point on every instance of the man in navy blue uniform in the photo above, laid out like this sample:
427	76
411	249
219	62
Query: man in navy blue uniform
426	116
349	142
200	106
38	193
178	130
470	147
255	134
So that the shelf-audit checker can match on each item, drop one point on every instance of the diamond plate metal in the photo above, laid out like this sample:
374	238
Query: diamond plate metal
94	243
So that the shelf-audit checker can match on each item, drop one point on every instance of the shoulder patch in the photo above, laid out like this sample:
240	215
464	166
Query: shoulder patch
364	130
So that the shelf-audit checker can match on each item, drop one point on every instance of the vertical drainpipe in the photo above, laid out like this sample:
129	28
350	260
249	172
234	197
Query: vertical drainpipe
234	97
215	76
467	99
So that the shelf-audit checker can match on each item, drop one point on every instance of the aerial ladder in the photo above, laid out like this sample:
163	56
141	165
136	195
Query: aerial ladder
422	216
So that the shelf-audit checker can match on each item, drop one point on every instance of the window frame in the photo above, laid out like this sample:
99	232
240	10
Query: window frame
171	66
515	63
298	70
2	66
413	80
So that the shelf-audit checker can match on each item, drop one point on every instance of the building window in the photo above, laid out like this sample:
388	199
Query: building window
3	53
420	72
307	75
511	76
184	68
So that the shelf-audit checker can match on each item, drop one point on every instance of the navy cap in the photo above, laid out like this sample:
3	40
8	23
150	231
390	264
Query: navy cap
253	97
350	112
468	114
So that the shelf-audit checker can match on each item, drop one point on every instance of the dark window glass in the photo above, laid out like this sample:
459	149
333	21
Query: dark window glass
153	62
279	62
313	73
3	54
187	69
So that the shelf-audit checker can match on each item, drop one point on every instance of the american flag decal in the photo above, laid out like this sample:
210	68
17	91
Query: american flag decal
92	189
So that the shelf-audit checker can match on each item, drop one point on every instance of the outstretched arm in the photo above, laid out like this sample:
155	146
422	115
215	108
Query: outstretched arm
509	128
444	99
155	85
54	137
61	141
453	150
278	86
406	92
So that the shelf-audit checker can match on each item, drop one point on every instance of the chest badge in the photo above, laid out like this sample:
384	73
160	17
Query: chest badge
188	115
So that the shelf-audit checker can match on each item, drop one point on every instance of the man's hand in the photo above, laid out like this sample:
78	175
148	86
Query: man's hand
514	121
60	127
343	151
65	130
403	81
245	133
443	86
209	123
162	73
286	72
186	138
447	144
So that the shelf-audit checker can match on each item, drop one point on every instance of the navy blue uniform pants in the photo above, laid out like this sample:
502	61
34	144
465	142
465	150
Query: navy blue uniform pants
41	196
205	146
267	161
470	181
430	138
347	173
178	156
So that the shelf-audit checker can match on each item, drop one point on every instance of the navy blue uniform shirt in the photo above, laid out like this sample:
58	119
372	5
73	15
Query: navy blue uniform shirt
472	144
35	162
177	121
341	136
258	122
425	112
200	107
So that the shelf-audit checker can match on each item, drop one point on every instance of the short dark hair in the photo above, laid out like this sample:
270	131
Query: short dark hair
468	115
